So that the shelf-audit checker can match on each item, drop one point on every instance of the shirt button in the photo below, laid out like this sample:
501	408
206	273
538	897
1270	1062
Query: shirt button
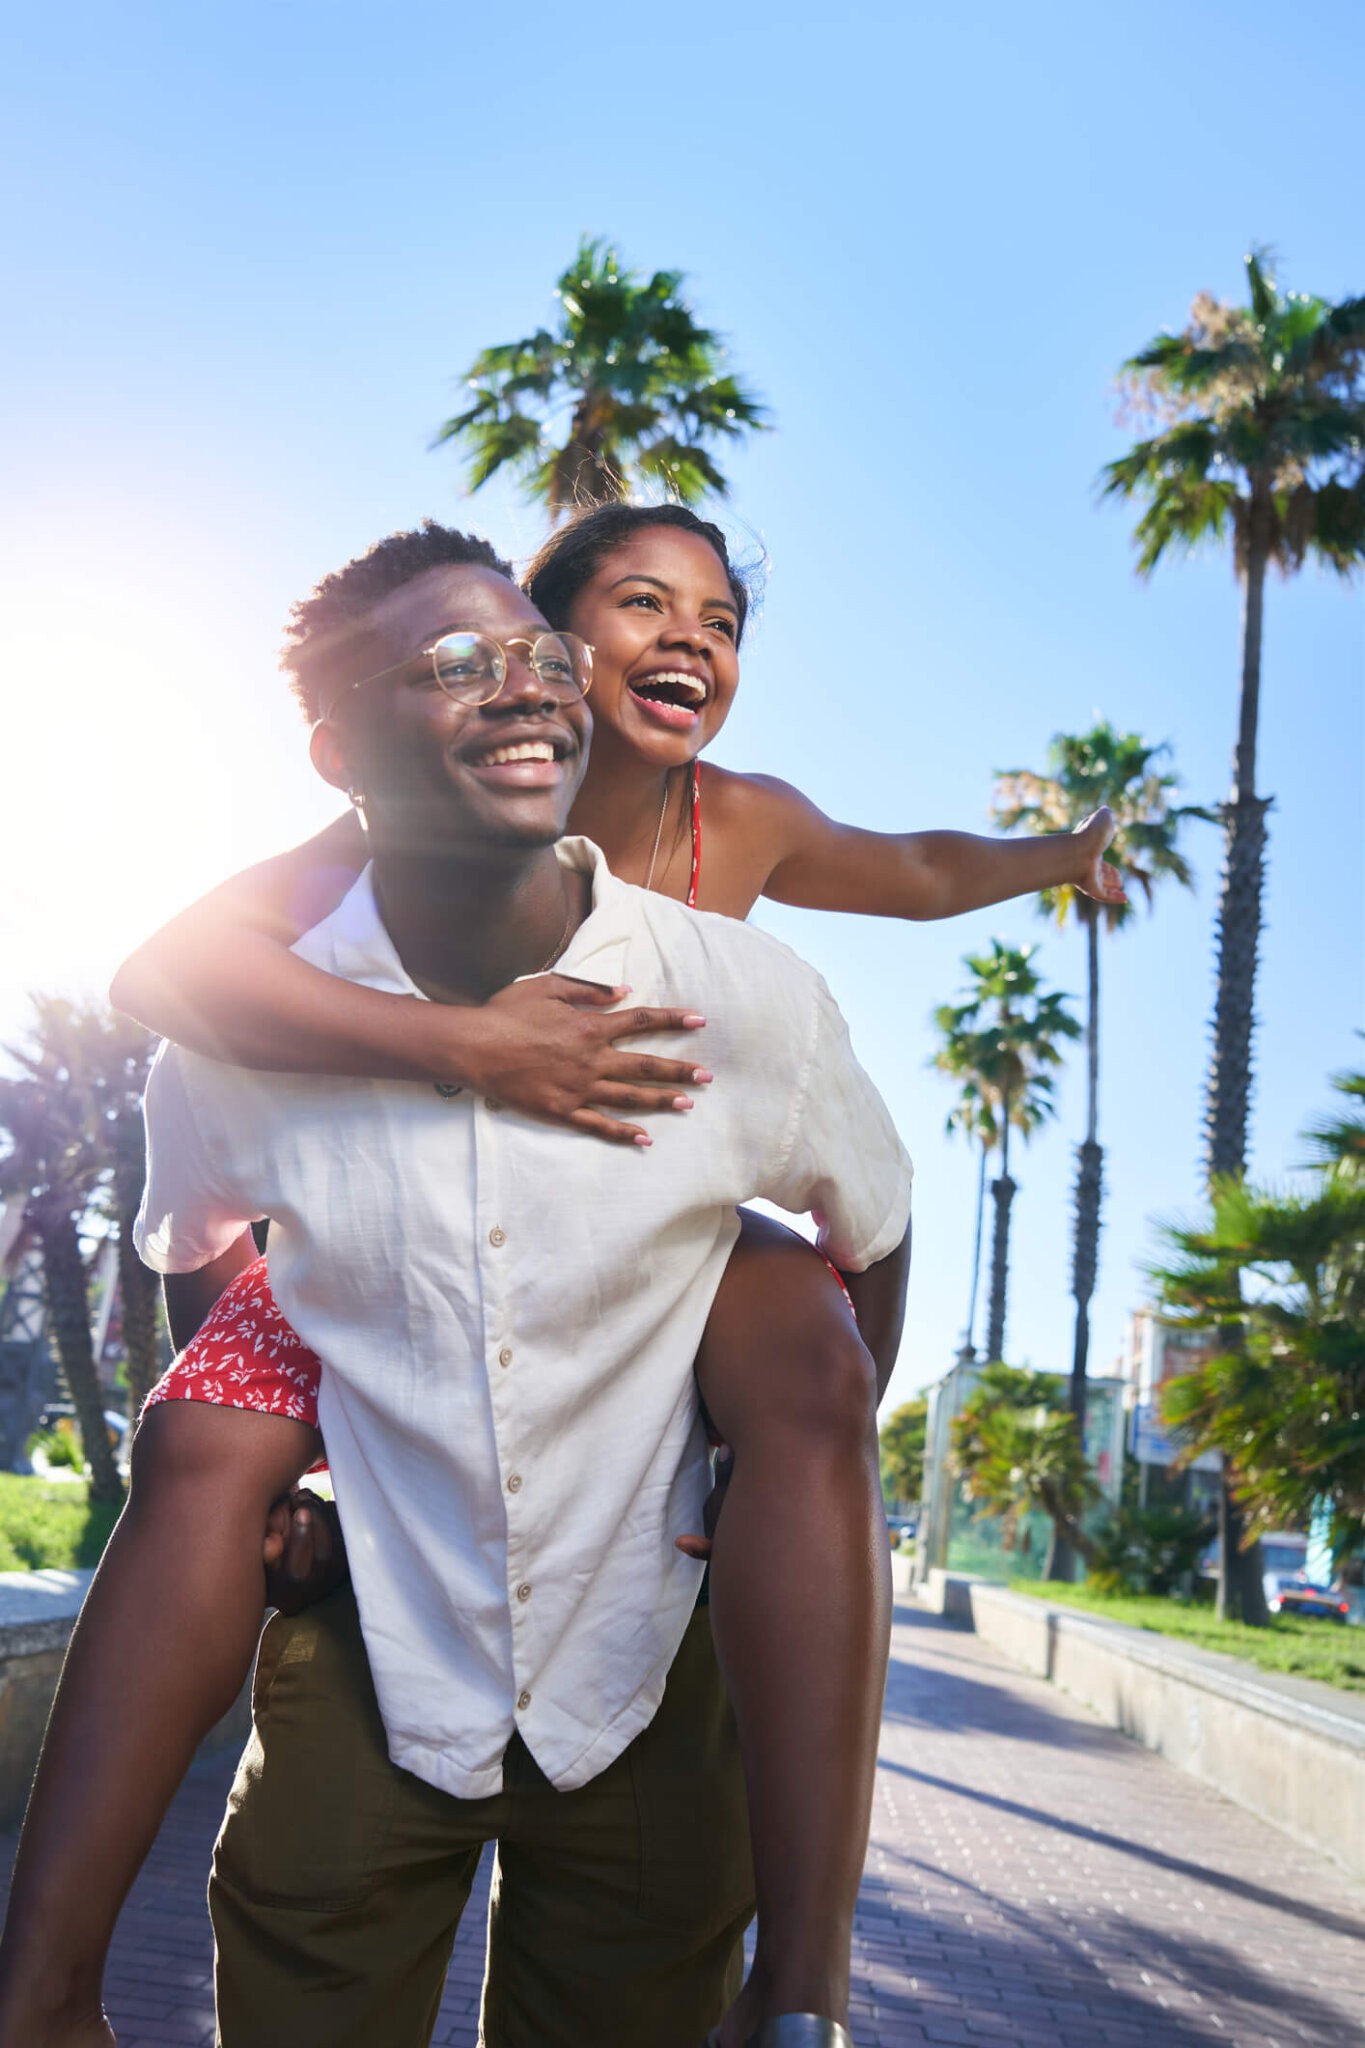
497	1235
523	1592
514	1483
505	1355
523	1700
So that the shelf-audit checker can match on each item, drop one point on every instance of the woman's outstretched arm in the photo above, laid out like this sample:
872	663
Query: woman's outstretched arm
220	979
822	865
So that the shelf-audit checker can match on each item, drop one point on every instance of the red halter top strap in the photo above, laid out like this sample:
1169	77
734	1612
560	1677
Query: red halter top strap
696	838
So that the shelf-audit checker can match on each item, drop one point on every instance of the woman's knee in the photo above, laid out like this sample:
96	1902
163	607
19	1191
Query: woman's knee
831	1381
782	1351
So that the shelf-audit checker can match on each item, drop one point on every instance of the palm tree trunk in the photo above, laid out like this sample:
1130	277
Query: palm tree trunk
68	1308
1002	1194
139	1299
1086	1242
1068	1532
1089	1182
1241	1592
1239	910
968	1352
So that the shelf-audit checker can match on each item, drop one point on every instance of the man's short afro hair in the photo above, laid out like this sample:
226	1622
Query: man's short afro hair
343	598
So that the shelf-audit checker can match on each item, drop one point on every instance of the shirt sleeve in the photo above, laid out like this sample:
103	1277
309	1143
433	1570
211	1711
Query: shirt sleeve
842	1161
188	1217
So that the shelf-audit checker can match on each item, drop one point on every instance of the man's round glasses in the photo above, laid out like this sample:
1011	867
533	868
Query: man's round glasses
473	669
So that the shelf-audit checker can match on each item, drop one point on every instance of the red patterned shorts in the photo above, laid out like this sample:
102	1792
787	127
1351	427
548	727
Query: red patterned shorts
245	1355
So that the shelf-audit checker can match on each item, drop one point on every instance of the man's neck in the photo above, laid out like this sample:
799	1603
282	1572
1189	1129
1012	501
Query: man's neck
464	929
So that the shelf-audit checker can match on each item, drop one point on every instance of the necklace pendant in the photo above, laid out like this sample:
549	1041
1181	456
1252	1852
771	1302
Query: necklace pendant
447	1090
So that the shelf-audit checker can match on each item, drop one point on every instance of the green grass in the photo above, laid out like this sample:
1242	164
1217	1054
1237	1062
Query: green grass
45	1524
1306	1649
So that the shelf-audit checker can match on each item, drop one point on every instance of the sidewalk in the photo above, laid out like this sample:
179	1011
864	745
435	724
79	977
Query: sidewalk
1035	1881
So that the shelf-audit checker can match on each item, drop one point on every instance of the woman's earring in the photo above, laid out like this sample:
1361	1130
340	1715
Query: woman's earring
356	797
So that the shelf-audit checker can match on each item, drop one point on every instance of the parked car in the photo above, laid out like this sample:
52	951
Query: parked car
1295	1594
1284	1553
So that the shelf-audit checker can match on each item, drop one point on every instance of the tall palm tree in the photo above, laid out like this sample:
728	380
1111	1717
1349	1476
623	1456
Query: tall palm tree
1005	1038
1085	770
626	388
972	1115
1259	413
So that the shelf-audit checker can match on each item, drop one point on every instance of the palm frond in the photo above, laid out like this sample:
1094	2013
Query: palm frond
648	389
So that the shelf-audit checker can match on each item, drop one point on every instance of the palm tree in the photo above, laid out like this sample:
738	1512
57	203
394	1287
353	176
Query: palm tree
1005	1039
1260	418
55	1160
112	1055
626	388
974	1117
1088	769
1287	1272
1259	413
1018	1455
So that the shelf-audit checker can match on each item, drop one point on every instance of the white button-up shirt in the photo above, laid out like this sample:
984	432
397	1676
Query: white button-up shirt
508	1314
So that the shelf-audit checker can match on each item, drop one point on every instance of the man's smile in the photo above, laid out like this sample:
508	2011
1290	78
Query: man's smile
520	760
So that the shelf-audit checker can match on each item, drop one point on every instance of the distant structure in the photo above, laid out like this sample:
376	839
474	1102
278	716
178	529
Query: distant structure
1154	1352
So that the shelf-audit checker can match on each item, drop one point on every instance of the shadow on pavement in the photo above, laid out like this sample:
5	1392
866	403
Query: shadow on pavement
1159	1859
944	1700
1043	1979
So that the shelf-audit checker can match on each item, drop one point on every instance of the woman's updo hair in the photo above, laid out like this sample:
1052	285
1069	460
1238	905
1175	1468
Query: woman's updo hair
570	558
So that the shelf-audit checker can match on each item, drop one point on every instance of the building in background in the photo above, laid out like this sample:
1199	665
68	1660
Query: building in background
1154	1352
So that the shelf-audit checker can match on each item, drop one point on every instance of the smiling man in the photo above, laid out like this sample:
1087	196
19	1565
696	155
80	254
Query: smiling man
507	1321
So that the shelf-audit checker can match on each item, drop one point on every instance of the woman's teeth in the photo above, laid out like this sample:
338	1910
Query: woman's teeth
672	686
529	750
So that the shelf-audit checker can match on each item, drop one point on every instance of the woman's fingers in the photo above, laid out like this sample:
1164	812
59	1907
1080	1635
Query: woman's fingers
596	995
609	1127
622	1095
592	994
643	1070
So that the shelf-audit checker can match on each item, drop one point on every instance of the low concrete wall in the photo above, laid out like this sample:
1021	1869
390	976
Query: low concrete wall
1288	1749
37	1614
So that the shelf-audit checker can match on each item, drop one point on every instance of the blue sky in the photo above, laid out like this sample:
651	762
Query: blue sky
256	246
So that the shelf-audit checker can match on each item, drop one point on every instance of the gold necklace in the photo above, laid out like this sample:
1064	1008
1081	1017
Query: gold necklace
658	832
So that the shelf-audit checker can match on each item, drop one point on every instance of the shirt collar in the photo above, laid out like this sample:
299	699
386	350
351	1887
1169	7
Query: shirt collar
354	941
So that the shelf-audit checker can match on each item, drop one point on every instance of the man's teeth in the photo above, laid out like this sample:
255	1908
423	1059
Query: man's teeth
673	685
529	750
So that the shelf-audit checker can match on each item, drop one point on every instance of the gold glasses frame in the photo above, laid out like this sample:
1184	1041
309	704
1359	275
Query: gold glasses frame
580	654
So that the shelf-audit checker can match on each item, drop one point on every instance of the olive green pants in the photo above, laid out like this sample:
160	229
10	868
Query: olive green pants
618	1910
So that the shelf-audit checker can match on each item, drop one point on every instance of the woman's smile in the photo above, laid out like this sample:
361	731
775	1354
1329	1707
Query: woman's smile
675	697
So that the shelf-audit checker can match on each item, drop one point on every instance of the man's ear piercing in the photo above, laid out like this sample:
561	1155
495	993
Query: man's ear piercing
356	797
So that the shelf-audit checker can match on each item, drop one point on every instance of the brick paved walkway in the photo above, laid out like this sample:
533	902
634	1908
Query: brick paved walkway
1034	1882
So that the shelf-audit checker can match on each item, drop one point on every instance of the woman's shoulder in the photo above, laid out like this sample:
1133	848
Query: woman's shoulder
750	824
740	797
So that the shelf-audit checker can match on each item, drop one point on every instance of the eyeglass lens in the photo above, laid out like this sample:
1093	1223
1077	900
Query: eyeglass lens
472	667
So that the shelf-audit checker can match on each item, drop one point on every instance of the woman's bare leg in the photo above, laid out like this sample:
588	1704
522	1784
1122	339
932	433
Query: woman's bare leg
800	1605
163	1644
